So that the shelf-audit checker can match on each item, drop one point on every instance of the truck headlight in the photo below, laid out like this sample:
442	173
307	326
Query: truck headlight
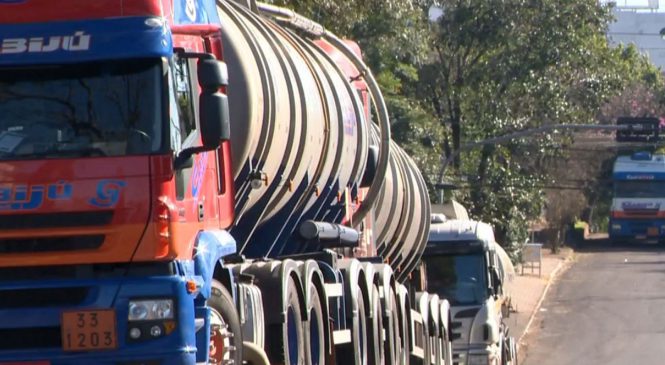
616	227
148	310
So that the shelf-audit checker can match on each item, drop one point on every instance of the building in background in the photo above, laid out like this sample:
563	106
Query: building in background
641	23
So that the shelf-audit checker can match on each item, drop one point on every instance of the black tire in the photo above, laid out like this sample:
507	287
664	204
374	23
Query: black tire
362	331
444	349
515	354
446	345
427	350
355	353
404	354
512	348
437	350
392	343
293	345
315	344
376	353
221	303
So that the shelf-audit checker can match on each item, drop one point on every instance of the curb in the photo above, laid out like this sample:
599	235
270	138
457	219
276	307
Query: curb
553	275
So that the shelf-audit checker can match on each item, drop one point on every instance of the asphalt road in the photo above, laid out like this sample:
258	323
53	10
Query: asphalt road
607	308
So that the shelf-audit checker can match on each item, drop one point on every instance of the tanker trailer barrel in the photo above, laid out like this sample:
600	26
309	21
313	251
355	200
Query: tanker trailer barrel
299	127
316	29
395	195
405	232
421	212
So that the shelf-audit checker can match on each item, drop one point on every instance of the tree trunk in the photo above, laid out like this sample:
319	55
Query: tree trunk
556	240
455	124
477	187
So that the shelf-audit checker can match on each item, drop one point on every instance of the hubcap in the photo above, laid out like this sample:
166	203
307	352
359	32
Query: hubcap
221	350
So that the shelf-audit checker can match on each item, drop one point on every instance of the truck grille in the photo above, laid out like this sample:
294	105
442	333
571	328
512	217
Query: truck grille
637	227
50	244
56	220
29	338
42	297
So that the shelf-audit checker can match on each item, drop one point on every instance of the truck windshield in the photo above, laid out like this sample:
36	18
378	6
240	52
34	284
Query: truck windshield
639	189
459	278
110	108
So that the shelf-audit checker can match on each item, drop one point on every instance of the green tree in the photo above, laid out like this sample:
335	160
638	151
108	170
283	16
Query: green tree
504	65
643	91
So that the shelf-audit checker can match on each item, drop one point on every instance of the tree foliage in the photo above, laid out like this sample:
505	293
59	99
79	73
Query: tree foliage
643	92
501	66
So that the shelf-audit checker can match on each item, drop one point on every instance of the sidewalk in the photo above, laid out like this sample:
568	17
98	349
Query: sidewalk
528	291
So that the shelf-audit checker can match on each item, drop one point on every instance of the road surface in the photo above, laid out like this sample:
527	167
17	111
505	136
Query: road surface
608	308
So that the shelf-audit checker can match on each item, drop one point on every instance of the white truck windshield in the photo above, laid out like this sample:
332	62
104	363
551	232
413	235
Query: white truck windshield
110	108
639	189
459	278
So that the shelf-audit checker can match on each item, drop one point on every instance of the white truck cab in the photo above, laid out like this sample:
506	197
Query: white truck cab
464	265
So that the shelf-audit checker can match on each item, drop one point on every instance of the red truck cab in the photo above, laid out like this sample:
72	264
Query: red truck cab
115	186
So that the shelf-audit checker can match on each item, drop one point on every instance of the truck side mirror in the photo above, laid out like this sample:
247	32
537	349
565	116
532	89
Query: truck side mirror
496	281
214	118
213	105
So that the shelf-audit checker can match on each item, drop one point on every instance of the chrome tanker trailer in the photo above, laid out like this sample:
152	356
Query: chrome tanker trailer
332	217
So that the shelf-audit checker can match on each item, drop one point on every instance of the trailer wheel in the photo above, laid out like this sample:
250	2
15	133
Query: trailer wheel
225	333
362	330
393	341
510	351
292	331
376	324
513	349
314	336
404	350
356	352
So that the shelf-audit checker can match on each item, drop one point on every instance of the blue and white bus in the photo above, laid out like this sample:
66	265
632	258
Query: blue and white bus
638	204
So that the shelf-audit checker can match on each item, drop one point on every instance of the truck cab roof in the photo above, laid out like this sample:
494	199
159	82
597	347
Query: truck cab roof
38	11
460	236
639	166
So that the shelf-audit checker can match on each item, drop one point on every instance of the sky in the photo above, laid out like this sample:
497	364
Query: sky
639	3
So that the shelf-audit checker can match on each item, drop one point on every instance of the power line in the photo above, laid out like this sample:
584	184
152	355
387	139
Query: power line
544	187
540	186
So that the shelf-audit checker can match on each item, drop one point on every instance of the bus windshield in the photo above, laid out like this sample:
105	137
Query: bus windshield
110	108
459	278
639	189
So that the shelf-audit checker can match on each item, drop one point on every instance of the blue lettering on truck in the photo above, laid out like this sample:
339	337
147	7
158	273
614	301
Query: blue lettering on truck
195	12
108	193
23	197
29	197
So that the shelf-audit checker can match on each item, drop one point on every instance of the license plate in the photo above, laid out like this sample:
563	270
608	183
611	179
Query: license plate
652	231
641	237
89	330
